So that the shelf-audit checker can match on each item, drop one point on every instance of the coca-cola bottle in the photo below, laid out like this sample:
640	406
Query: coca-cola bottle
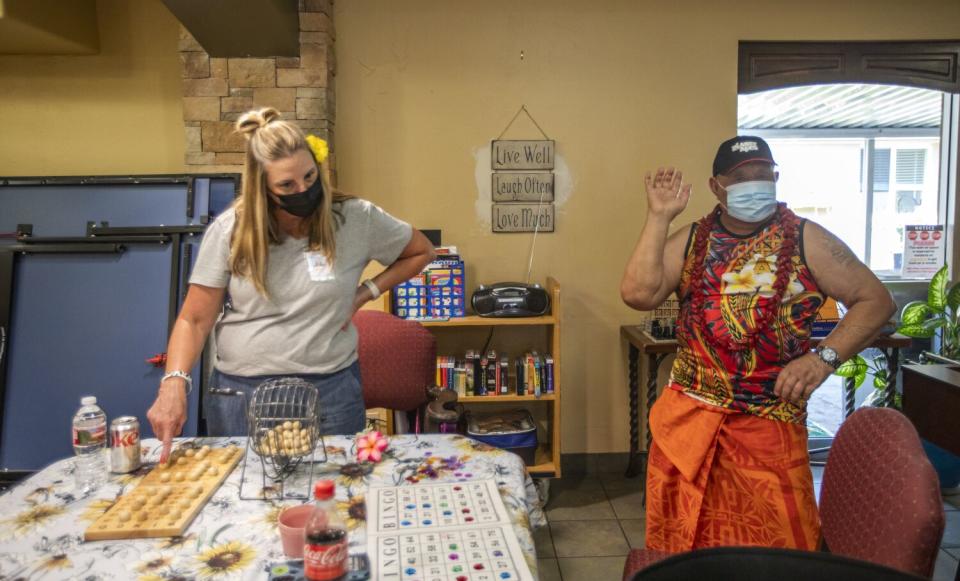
325	537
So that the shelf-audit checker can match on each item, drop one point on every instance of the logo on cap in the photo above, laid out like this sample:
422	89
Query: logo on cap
745	146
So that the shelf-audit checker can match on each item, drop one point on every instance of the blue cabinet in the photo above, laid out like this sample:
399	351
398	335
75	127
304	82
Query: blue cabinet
88	295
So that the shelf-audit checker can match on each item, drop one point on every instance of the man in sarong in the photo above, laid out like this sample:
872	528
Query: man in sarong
729	462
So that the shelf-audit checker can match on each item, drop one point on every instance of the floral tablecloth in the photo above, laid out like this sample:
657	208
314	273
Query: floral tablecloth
42	520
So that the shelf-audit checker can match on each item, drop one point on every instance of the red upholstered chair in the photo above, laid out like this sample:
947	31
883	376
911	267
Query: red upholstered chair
398	361
640	559
764	564
880	499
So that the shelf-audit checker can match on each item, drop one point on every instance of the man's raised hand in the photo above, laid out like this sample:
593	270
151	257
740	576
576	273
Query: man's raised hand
667	195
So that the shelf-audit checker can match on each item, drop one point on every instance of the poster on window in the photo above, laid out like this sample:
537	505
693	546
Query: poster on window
923	251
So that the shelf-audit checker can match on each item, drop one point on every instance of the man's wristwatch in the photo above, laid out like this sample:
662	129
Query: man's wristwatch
828	356
182	375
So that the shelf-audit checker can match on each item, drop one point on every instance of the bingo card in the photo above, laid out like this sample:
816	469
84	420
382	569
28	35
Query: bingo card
443	532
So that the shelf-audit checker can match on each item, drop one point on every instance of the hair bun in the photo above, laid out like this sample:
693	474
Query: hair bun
252	121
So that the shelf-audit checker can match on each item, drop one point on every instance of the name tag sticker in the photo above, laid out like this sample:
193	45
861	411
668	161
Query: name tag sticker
318	268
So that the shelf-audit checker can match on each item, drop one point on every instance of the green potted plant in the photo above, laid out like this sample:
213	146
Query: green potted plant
857	367
937	317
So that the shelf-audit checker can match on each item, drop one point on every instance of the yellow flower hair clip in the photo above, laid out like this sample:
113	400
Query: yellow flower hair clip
319	148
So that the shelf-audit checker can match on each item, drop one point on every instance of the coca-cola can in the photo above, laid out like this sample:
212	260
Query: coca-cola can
124	444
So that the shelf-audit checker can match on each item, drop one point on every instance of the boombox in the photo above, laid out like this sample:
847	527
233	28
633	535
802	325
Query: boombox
511	299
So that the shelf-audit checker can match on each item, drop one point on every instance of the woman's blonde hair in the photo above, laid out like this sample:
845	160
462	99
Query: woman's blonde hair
269	139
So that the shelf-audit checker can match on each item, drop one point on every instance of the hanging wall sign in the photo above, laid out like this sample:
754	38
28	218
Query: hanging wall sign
523	217
522	154
522	186
523	181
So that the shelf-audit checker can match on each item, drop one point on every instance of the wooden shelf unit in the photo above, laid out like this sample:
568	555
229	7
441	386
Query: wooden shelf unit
548	453
546	466
475	321
505	398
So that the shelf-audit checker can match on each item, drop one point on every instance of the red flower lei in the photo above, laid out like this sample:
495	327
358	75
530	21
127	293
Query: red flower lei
694	312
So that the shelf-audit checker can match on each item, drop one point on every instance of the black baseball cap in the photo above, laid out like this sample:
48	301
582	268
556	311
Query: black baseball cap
742	149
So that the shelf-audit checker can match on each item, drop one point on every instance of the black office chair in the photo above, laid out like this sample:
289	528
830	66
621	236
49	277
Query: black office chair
762	564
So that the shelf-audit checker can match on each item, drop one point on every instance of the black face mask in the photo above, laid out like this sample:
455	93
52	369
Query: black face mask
303	203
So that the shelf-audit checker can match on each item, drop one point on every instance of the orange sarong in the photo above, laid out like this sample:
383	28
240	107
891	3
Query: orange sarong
717	477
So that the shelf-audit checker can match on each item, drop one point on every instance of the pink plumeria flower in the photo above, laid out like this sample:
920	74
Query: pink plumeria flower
370	447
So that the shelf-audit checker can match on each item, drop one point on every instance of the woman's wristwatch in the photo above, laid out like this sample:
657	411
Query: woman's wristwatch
374	289
182	375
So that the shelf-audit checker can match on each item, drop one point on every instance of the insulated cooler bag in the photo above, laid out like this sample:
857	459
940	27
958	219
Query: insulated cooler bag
513	431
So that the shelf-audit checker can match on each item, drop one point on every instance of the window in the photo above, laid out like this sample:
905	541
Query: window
862	160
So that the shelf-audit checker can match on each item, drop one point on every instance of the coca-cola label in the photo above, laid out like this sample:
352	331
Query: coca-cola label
325	562
87	437
124	439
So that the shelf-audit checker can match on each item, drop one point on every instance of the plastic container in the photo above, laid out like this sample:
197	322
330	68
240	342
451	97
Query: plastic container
325	553
89	444
514	431
292	522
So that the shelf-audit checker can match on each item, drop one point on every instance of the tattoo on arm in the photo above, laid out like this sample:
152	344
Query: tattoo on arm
838	250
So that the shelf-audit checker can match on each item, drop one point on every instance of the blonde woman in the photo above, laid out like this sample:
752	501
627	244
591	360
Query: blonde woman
289	255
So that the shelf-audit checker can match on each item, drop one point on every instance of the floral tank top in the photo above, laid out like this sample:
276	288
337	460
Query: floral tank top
738	285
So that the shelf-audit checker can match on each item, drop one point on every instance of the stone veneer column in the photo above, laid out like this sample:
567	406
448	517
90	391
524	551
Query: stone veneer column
216	91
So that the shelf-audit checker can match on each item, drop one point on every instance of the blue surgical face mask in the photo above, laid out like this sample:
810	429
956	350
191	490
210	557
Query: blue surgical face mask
752	201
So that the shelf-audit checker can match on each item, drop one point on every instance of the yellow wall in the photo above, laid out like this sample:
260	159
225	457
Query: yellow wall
116	112
623	86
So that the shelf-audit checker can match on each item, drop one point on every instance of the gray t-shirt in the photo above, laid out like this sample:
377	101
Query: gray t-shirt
298	330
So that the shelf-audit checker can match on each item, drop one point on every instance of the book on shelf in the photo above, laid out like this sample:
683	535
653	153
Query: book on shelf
489	374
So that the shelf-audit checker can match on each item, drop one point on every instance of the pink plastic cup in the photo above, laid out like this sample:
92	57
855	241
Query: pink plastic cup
292	521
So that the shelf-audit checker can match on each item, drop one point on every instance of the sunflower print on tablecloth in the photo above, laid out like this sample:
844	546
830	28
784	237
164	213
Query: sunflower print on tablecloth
354	474
177	543
354	511
35	517
153	565
56	562
224	561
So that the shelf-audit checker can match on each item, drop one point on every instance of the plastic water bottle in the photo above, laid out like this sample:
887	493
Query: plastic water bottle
89	443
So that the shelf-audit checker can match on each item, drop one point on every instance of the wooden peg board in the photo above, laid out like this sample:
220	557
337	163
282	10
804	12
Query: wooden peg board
167	500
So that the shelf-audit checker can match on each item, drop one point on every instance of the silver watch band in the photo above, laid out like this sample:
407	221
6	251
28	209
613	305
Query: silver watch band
182	375
835	364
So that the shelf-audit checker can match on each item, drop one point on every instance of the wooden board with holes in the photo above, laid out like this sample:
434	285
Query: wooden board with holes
168	498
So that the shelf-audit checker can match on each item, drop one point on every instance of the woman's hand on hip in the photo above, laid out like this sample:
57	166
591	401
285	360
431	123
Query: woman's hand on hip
168	413
360	298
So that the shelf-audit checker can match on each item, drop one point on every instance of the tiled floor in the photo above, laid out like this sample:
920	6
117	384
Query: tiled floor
949	558
595	520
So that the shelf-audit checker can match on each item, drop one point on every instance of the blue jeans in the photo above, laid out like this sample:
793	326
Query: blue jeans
341	406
